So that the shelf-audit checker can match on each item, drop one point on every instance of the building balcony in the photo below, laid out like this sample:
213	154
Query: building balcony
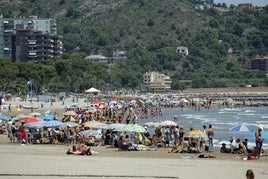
32	56
8	31
31	42
32	52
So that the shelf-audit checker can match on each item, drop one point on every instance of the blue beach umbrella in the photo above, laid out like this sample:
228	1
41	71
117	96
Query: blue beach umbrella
49	117
52	123
69	123
4	117
37	125
242	128
263	135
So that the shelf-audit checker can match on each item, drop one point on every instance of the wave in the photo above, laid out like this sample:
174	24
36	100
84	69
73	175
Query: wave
246	114
250	111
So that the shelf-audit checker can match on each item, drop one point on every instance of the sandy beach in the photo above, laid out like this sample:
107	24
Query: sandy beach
51	161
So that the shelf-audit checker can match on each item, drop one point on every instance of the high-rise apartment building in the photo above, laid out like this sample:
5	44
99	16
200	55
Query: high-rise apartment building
23	39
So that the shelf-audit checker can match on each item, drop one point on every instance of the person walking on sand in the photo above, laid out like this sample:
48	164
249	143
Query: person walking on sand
259	141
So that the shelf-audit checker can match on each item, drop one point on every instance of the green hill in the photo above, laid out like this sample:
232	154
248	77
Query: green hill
221	41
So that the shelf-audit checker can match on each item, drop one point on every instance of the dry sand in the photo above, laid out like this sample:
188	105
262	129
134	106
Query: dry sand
50	161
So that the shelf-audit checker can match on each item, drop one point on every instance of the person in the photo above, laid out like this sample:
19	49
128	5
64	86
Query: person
80	149
13	136
185	145
245	142
68	135
250	174
210	134
147	133
259	140
174	149
202	142
181	135
22	133
240	147
9	108
175	118
224	149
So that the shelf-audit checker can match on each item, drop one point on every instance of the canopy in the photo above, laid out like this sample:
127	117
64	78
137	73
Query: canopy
92	90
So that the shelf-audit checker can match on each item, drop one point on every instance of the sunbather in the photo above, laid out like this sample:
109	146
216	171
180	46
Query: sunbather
80	149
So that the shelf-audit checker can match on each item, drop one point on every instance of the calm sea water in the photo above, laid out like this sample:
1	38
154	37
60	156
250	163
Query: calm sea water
221	119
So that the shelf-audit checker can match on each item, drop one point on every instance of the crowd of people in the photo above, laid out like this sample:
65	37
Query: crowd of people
174	137
241	147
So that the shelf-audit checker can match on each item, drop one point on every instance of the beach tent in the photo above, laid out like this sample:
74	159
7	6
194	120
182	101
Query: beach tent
93	91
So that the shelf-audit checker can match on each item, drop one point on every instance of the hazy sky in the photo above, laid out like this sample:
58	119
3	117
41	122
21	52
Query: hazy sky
235	2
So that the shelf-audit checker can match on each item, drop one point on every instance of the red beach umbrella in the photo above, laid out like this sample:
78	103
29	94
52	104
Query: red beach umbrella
31	120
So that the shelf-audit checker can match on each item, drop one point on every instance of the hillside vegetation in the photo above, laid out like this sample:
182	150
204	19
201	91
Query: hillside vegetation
221	43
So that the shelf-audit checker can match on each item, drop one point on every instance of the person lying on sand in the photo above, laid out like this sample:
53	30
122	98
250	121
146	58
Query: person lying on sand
80	149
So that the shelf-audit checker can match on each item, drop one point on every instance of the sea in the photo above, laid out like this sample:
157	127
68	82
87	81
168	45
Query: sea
221	119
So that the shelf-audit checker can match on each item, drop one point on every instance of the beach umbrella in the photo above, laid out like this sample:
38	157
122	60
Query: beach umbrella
197	134
31	120
52	123
70	113
103	126
35	114
97	102
36	125
242	128
116	126
69	123
263	135
168	123
49	117
19	117
92	124
131	128
4	117
68	119
152	124
90	132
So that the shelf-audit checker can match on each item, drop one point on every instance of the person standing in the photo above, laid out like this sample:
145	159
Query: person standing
9	108
210	134
22	133
202	142
259	141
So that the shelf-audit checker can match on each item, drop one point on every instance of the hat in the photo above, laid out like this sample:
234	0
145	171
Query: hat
69	125
145	127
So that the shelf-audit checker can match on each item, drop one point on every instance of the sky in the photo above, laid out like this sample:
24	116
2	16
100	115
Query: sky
236	2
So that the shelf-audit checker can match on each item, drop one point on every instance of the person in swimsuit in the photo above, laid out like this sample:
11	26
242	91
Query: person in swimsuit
210	134
259	141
